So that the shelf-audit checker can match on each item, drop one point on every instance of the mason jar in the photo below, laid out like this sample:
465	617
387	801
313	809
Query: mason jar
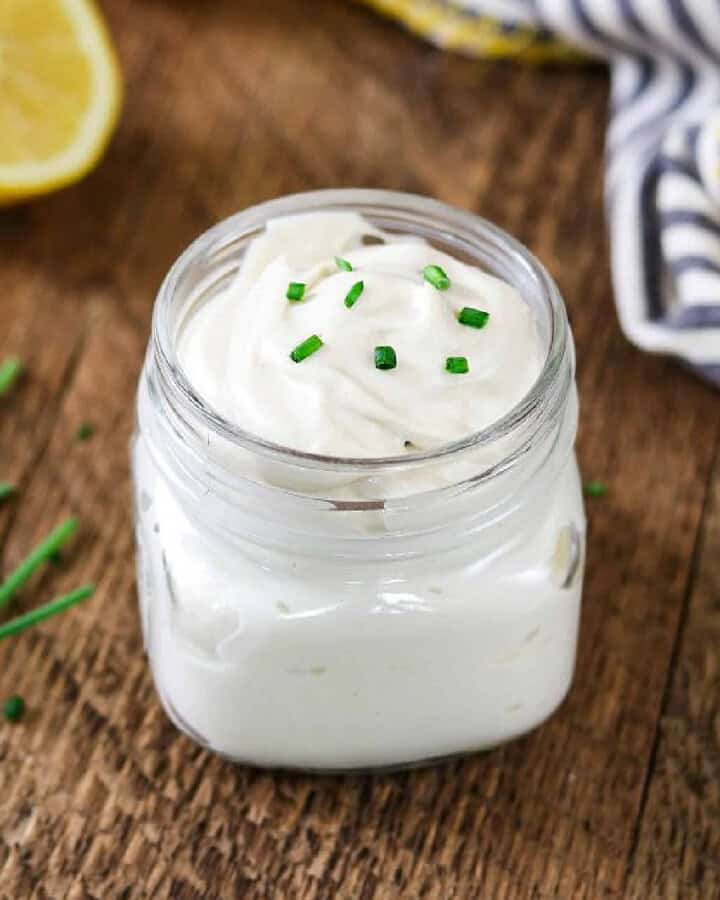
289	623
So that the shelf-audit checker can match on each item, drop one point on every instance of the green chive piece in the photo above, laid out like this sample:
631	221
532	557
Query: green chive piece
306	348
385	358
457	365
85	431
343	264
295	291
10	371
14	708
20	623
352	295
42	553
475	318
596	489
6	490
437	277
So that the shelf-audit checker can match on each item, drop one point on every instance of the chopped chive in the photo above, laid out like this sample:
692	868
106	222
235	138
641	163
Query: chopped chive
85	431
457	365
20	623
6	490
475	318
10	371
596	489
343	264
14	708
42	553
306	348
437	277
385	358
295	291
352	295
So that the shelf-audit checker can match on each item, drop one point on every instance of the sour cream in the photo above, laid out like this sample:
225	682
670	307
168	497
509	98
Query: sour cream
327	614
236	349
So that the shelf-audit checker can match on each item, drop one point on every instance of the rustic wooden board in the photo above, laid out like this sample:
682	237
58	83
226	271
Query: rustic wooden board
617	796
678	850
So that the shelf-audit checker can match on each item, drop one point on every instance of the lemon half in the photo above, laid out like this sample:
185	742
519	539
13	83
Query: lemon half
60	93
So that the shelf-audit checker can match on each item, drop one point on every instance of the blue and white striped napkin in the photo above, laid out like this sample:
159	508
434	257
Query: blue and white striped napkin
663	143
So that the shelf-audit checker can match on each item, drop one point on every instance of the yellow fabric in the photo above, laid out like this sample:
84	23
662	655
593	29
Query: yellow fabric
474	35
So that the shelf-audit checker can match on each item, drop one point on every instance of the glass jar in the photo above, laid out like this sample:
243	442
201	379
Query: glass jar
290	624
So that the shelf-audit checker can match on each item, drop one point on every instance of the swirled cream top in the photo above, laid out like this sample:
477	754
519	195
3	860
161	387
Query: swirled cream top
236	348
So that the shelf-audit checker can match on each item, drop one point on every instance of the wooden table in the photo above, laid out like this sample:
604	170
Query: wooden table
619	794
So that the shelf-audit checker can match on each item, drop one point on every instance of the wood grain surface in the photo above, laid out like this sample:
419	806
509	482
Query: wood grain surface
618	795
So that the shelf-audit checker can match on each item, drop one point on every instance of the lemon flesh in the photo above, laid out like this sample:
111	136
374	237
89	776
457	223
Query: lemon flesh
59	94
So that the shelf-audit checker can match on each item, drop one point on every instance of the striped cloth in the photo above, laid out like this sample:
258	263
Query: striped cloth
663	143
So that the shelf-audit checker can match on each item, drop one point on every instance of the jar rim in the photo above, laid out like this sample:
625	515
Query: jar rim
366	201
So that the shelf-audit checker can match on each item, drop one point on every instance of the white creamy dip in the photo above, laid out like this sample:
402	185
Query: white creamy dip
235	350
295	630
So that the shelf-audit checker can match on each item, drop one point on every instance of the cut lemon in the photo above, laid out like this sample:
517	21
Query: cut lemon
59	94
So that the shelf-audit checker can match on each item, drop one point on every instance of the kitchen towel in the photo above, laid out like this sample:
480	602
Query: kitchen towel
662	182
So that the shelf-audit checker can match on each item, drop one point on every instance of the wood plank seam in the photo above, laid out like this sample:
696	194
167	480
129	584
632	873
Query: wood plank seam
677	644
37	458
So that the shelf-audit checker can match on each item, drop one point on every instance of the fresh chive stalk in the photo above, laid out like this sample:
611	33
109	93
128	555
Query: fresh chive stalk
295	291
475	318
20	623
306	348
437	277
596	489
85	431
343	264
457	365
10	371
14	708
42	553
6	490
385	358
352	295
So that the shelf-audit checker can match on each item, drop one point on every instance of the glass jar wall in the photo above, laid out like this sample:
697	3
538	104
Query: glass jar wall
333	614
